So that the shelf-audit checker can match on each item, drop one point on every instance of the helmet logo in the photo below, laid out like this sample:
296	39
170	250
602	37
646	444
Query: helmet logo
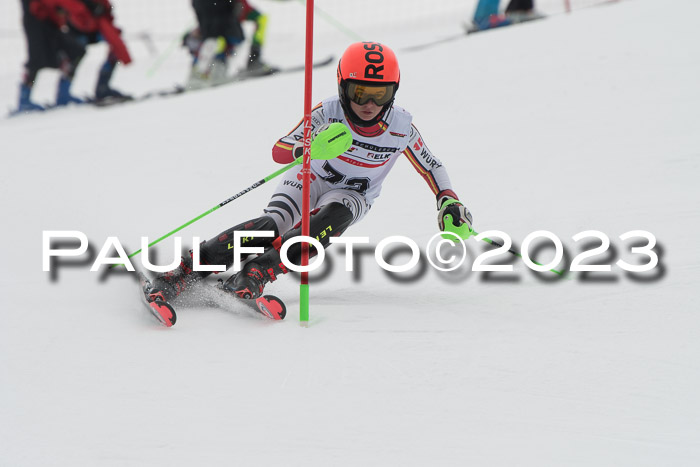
373	56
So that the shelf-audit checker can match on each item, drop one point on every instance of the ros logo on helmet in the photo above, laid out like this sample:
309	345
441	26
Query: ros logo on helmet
374	56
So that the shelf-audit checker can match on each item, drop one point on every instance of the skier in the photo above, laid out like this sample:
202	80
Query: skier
520	6
218	33
519	11
58	32
342	189
487	16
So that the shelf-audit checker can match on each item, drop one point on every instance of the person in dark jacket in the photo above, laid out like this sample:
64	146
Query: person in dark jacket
58	32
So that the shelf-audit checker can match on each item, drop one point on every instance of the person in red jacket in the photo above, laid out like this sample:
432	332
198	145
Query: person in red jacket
58	32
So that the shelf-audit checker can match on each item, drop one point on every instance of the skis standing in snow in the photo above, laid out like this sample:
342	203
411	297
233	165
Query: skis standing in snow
342	189
57	34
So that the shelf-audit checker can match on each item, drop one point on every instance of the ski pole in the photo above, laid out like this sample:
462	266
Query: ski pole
328	144
166	54
221	204
512	251
465	232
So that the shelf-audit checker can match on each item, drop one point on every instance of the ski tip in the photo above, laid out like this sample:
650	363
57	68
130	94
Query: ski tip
163	312
271	306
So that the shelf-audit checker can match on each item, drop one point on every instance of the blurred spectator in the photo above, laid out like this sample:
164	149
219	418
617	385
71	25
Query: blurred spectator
249	13
487	15
58	32
218	33
521	10
520	6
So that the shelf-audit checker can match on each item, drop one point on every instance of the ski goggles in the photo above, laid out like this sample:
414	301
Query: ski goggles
363	93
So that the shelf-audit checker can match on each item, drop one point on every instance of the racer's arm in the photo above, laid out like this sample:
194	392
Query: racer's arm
289	147
435	175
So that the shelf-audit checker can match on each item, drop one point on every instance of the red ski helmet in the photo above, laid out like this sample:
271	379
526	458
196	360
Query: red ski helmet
368	71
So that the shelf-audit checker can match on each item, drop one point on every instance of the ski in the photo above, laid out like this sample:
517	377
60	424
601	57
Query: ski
294	68
267	305
107	101
501	20
432	43
244	75
161	309
240	76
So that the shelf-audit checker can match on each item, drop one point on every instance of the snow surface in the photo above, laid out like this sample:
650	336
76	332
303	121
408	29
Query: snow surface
578	122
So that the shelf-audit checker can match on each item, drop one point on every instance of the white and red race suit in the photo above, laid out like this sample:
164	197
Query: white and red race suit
359	172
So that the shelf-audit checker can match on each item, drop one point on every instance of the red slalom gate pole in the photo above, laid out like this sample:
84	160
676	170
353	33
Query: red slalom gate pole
306	167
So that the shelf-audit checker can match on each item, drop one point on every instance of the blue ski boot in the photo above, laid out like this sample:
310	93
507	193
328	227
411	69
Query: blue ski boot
64	97
25	103
104	94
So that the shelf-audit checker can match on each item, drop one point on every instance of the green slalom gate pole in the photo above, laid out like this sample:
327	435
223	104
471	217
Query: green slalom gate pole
328	144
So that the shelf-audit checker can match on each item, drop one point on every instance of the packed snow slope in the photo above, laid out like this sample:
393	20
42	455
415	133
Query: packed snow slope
578	122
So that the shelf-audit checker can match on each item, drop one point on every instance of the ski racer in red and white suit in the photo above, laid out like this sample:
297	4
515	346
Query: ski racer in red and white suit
343	189
361	170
